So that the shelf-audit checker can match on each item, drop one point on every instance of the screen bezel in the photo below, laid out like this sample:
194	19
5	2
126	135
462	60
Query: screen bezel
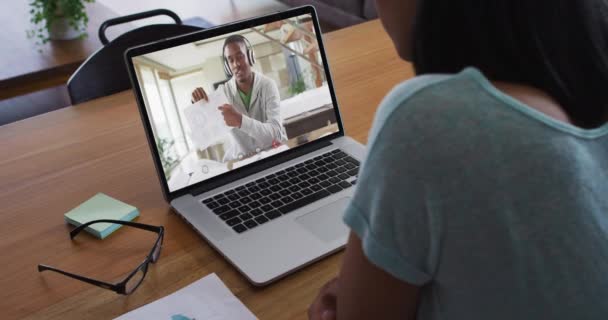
235	174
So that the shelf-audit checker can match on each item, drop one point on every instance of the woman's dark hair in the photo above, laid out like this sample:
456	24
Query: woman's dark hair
557	46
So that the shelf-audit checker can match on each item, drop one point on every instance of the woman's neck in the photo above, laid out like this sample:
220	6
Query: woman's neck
535	99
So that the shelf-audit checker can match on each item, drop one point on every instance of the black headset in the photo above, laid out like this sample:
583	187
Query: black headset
237	38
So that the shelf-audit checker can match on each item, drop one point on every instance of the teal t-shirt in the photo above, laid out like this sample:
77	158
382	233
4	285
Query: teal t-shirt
494	209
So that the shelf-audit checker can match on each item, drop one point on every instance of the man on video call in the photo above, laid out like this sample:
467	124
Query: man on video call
254	102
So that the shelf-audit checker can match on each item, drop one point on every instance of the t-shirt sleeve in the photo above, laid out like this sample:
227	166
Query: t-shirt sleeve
390	210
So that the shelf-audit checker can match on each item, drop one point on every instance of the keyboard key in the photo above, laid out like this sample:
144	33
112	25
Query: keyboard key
219	196
343	176
325	184
322	169
332	180
340	162
331	166
277	203
245	200
275	188
235	204
250	184
256	212
294	188
304	184
339	155
239	228
334	188
212	205
341	169
234	221
350	166
229	192
223	201
270	176
256	196
318	158
239	188
304	176
263	185
253	189
264	193
316	187
314	180
267	208
274	196
313	173
206	201
304	201
244	208
260	180
250	224
306	192
322	177
221	209
261	219
229	215
233	196
302	170
331	173
344	184
308	161
287	199
311	166
283	177
292	174
254	204
297	195
245	216
285	184
273	181
353	172
278	173
284	192
299	165
273	214
243	193
352	160
335	151
295	180
290	169
264	200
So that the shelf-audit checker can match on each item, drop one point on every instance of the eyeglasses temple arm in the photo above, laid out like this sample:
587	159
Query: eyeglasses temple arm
81	227
42	267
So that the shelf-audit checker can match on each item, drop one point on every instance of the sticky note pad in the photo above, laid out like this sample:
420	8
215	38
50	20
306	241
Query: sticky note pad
98	207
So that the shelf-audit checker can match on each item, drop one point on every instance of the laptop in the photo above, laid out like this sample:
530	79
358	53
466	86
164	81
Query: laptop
259	165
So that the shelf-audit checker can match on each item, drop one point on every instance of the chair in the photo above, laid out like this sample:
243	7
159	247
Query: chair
104	72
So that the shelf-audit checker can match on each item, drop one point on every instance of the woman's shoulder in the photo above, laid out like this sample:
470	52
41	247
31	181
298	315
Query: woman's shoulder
427	99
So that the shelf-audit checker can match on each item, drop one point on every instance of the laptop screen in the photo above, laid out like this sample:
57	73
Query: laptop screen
229	101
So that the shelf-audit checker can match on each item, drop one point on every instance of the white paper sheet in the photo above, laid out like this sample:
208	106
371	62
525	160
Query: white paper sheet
207	298
205	121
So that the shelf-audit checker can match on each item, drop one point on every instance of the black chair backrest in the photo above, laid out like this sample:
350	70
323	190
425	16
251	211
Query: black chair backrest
104	72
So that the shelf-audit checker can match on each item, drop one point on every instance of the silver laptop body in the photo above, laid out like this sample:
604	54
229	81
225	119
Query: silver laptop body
300	223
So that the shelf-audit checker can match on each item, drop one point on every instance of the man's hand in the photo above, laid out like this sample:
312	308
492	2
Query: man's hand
232	117
324	306
199	94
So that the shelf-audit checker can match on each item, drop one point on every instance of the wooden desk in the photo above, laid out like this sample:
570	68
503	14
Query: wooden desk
27	67
52	162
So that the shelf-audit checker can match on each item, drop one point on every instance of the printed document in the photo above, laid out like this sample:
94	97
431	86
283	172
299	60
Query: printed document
206	123
207	298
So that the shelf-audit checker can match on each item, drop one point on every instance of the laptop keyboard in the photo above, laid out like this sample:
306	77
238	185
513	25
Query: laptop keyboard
257	202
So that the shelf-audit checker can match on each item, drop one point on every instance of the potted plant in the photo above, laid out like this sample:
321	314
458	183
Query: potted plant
58	19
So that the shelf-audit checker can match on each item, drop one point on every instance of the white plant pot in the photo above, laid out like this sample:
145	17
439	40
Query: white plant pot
62	30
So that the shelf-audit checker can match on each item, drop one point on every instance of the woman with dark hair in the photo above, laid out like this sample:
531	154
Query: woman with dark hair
484	194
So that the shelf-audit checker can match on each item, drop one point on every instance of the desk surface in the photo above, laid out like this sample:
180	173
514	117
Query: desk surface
54	161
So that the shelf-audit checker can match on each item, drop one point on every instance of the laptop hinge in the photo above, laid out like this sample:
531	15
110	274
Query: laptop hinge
247	171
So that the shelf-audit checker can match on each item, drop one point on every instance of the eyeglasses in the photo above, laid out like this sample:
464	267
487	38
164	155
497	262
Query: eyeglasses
134	279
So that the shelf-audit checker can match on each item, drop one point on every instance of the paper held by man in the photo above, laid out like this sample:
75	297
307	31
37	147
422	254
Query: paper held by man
205	120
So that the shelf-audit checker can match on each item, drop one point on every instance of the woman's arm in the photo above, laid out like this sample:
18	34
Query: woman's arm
364	291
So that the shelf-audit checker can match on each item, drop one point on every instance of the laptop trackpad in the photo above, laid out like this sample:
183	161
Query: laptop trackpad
326	222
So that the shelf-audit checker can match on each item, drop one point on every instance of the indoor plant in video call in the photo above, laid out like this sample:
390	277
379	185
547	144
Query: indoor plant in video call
58	20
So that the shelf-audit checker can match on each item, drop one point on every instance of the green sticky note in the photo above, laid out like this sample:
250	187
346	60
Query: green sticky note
98	207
